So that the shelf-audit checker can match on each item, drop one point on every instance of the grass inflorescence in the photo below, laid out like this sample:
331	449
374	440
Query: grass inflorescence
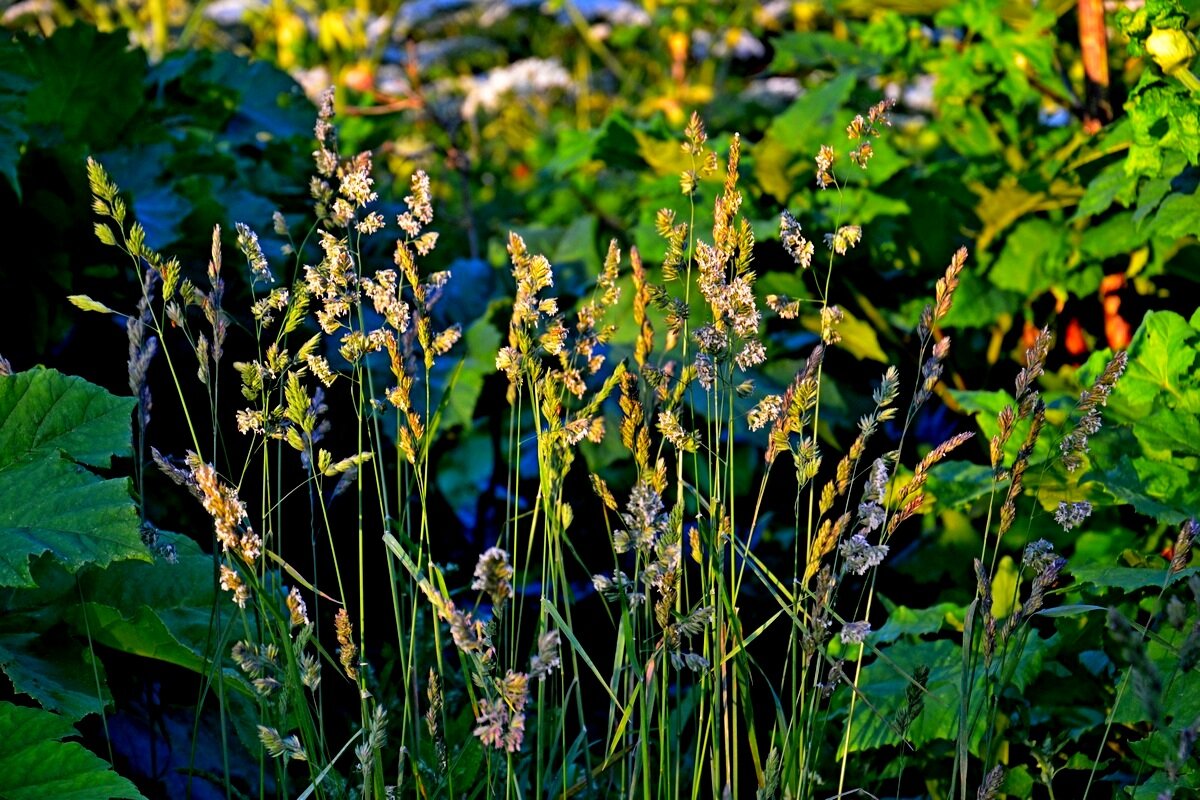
680	656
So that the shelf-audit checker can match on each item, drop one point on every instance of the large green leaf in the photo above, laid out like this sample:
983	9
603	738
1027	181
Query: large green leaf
36	765
270	103
1033	259
1149	453
1127	579
884	681
905	621
51	426
959	484
88	85
159	610
798	132
43	411
56	671
13	88
1162	357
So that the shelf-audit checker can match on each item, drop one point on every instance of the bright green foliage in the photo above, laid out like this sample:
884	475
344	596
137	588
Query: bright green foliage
36	764
52	427
996	157
1151	458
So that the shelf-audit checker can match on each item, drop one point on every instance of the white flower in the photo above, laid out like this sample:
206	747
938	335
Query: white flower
528	77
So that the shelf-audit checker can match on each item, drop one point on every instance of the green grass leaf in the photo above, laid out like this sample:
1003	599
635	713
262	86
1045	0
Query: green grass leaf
35	765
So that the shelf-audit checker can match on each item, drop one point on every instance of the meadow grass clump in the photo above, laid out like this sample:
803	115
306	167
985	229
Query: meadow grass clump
635	640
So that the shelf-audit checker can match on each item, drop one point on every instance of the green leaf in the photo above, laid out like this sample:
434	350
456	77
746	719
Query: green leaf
1110	184
616	145
797	133
463	475
979	304
43	411
13	90
578	244
809	49
51	426
158	610
1148	454
986	406
88	85
1127	579
271	104
1161	358
1158	489
1115	236
884	683
1032	260
905	621
858	338
956	484
35	764
53	505
56	671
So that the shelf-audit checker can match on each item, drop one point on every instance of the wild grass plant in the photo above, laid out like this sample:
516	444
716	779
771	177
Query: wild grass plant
709	669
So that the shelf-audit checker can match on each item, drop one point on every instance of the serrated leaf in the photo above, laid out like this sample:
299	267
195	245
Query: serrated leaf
88	84
1162	355
1127	579
1149	451
56	671
43	411
35	764
886	681
53	505
51	425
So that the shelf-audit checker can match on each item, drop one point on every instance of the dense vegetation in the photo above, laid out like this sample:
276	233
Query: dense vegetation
600	399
